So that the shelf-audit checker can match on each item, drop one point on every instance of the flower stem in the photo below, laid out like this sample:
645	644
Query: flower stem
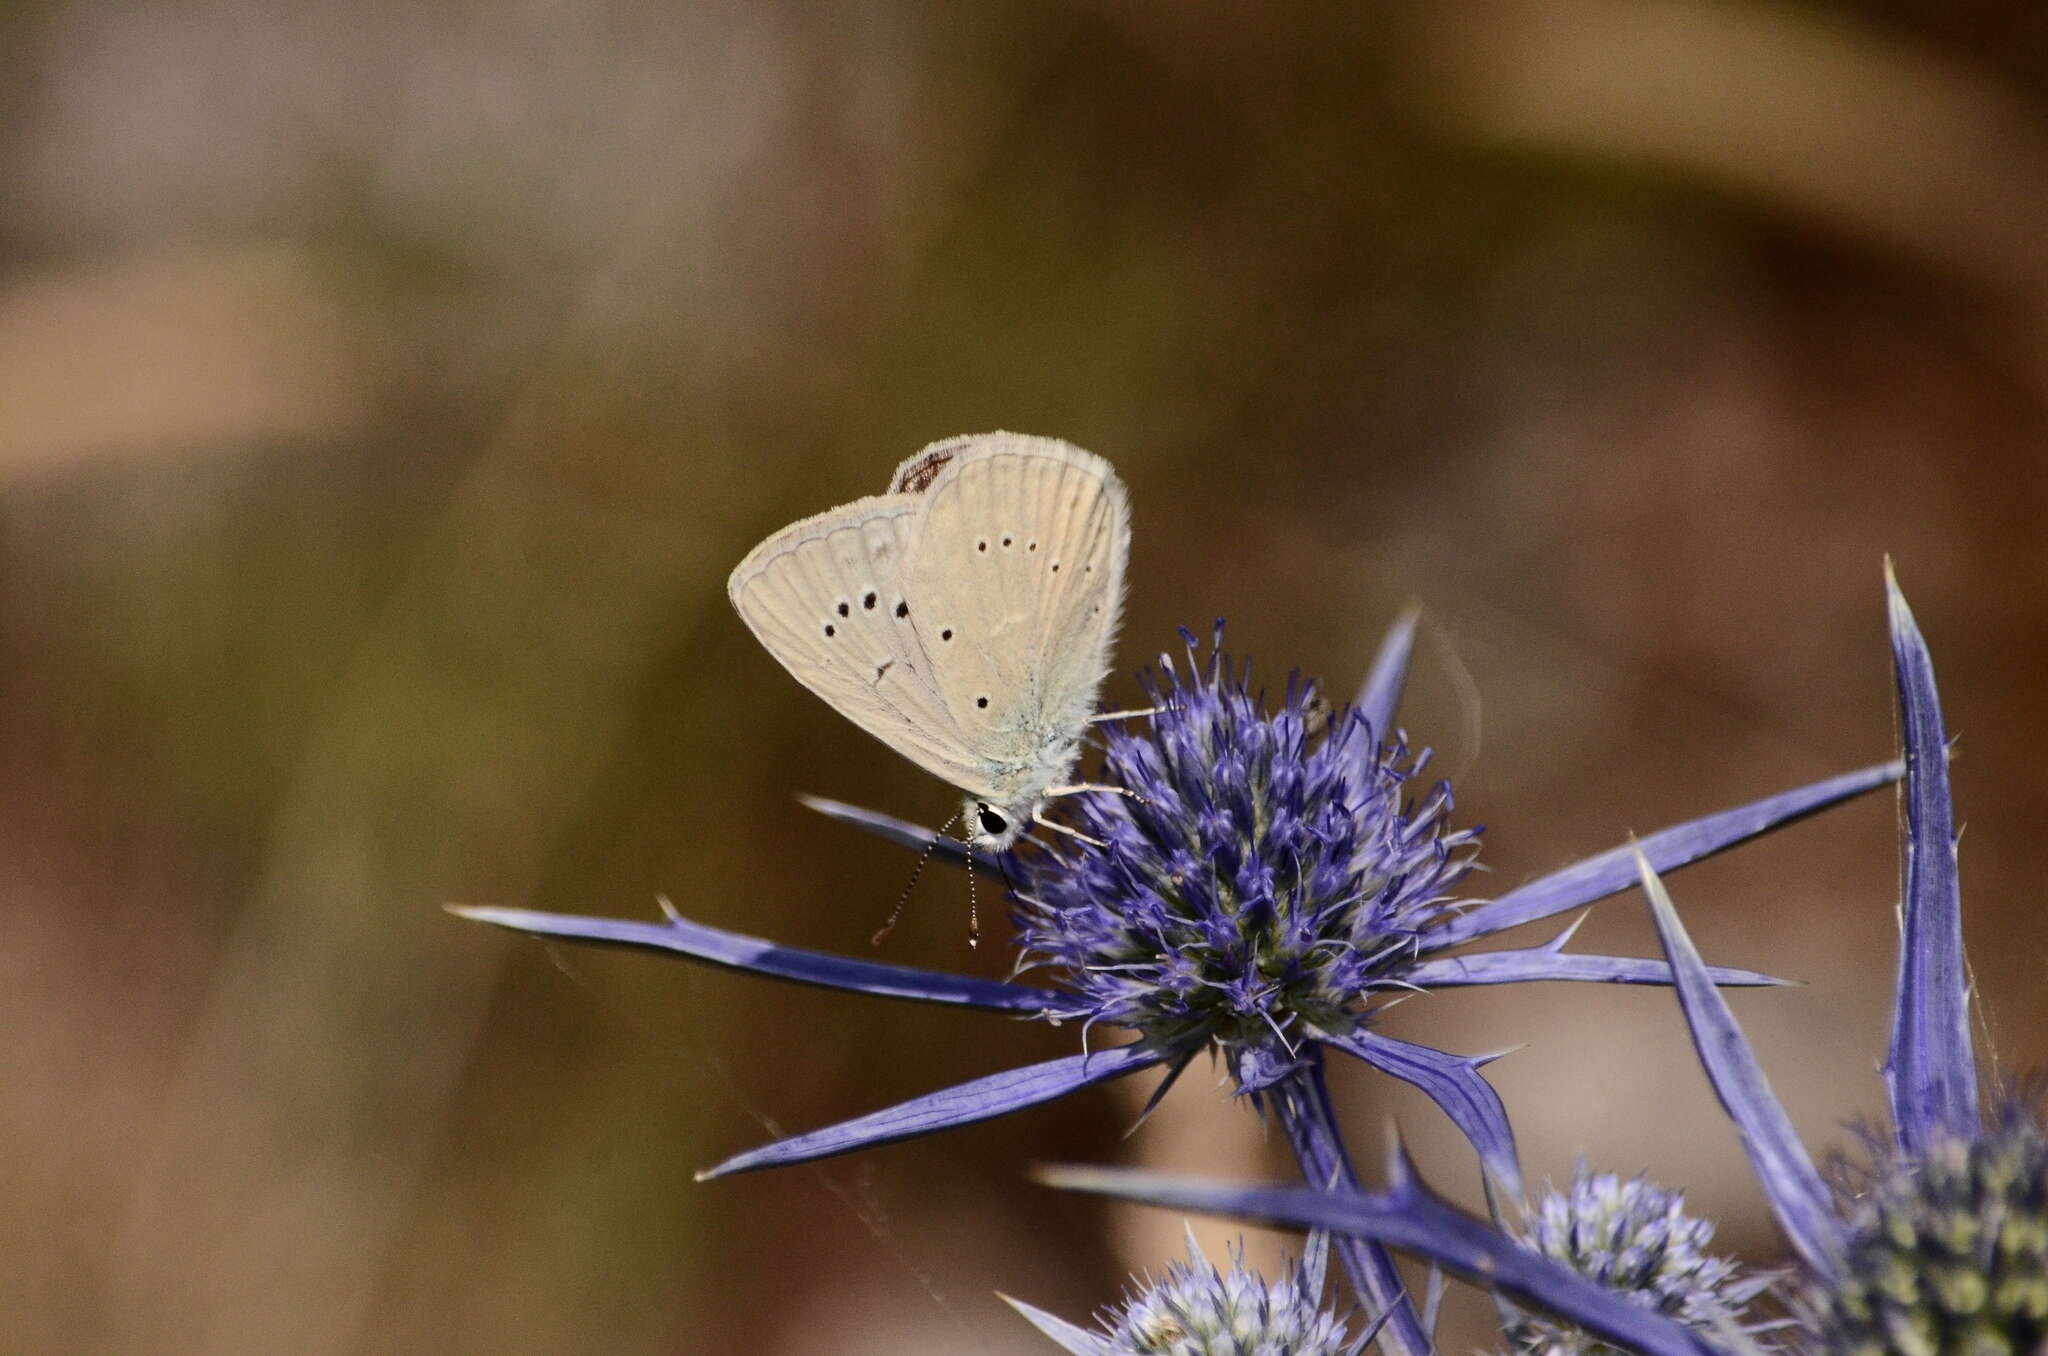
1302	1100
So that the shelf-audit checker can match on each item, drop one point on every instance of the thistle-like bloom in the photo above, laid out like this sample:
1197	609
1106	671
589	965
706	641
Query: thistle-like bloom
1944	1252
1634	1238
1266	877
1198	1309
1265	889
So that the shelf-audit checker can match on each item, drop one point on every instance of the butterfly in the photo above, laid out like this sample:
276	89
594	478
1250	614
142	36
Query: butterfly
964	618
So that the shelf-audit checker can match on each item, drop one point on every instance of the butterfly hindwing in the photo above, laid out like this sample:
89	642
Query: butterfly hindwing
1019	552
829	598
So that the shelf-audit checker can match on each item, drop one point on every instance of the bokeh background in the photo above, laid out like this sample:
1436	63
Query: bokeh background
387	387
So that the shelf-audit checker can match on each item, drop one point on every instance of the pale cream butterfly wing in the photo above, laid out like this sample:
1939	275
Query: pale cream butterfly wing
1016	569
964	619
828	598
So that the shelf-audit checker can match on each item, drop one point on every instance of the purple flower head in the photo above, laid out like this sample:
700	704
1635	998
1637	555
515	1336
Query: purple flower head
1946	1250
1634	1238
1267	877
1198	1309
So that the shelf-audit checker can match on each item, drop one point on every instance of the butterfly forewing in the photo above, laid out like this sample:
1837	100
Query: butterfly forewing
1020	545
829	598
918	471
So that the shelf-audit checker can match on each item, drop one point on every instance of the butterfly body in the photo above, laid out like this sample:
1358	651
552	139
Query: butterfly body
964	618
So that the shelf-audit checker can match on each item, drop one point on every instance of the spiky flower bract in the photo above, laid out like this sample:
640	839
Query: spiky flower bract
1198	1309
1635	1238
1265	878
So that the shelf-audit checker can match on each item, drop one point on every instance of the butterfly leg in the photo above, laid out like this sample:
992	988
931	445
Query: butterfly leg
1105	717
1038	818
1078	787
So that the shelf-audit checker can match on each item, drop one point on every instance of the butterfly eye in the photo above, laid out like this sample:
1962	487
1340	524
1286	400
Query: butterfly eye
868	602
991	822
902	608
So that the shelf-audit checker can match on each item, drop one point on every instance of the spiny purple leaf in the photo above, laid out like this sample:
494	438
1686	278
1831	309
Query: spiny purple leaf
1453	1082
1797	1194
1380	695
901	832
1668	849
737	951
963	1104
1076	1341
1551	961
1930	1069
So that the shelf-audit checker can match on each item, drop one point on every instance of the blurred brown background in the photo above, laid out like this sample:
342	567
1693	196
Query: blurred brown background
386	389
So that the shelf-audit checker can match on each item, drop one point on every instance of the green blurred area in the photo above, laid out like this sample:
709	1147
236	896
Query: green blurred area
386	389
